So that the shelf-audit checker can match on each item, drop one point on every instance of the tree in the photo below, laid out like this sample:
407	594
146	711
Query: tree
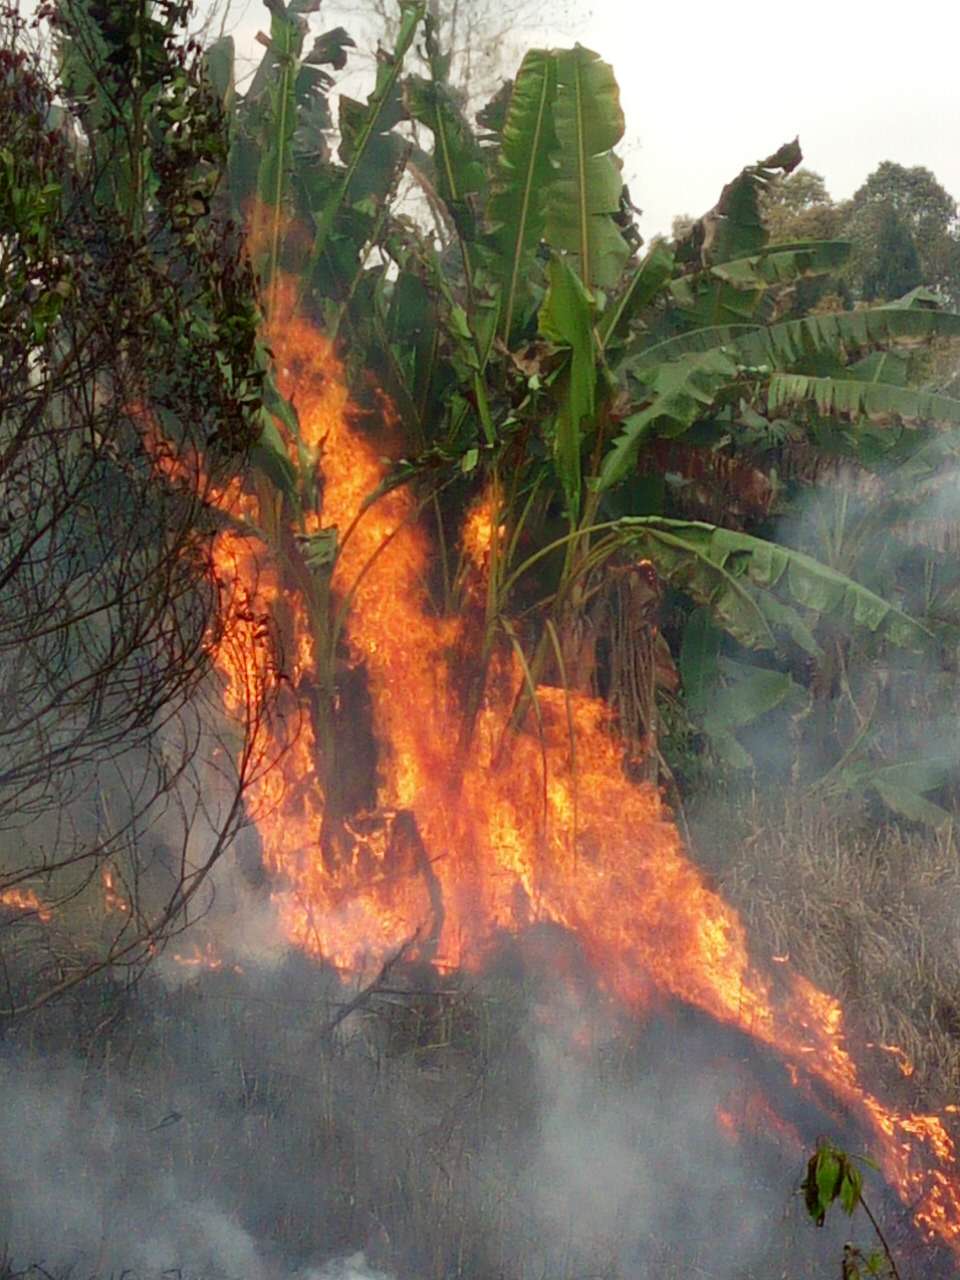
482	38
895	203
901	224
799	207
130	392
896	268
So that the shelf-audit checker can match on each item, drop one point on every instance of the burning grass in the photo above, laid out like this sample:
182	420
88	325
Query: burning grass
866	911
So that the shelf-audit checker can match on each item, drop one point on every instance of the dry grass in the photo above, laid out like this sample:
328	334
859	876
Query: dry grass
869	912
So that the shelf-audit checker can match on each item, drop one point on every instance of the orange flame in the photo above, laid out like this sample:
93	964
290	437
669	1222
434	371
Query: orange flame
27	901
113	899
205	957
476	829
752	1115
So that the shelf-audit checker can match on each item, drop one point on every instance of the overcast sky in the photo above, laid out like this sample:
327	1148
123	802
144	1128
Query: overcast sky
709	87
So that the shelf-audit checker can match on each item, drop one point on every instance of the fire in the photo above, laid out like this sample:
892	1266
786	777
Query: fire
751	1114
205	957
113	899
25	900
476	829
903	1062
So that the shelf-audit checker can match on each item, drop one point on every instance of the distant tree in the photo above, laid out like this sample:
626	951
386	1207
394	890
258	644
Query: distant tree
799	207
681	225
895	268
484	38
923	211
901	224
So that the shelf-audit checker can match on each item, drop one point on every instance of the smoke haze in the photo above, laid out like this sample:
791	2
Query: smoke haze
216	1127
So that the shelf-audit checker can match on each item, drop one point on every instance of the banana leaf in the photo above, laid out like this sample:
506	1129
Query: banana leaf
791	341
458	168
279	68
220	60
735	227
880	402
779	346
707	301
523	173
697	341
566	319
585	192
779	264
645	283
679	393
699	661
744	695
903	787
362	127
730	573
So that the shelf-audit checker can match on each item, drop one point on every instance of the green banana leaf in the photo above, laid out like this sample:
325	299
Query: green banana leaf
645	283
667	350
734	228
363	126
746	694
279	66
679	393
731	292
781	345
699	660
779	264
412	347
458	168
270	456
791	341
523	173
705	300
585	192
566	319
730	573
880	402
881	366
903	787
220	59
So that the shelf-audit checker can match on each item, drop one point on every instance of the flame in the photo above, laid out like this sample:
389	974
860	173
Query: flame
476	829
751	1114
27	901
903	1061
113	899
205	957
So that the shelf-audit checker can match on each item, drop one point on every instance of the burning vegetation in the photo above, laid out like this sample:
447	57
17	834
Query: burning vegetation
480	529
477	832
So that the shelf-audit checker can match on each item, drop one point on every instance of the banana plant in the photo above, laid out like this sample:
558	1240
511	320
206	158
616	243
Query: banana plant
530	345
314	213
598	369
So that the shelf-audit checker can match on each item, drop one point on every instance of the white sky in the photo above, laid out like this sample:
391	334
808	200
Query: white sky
709	87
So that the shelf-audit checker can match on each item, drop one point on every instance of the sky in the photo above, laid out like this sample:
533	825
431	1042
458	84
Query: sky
707	88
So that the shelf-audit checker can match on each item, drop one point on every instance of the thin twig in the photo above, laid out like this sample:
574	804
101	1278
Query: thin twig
364	996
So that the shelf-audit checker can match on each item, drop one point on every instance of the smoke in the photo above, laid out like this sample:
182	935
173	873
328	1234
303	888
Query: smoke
352	1267
84	1184
836	847
504	1127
